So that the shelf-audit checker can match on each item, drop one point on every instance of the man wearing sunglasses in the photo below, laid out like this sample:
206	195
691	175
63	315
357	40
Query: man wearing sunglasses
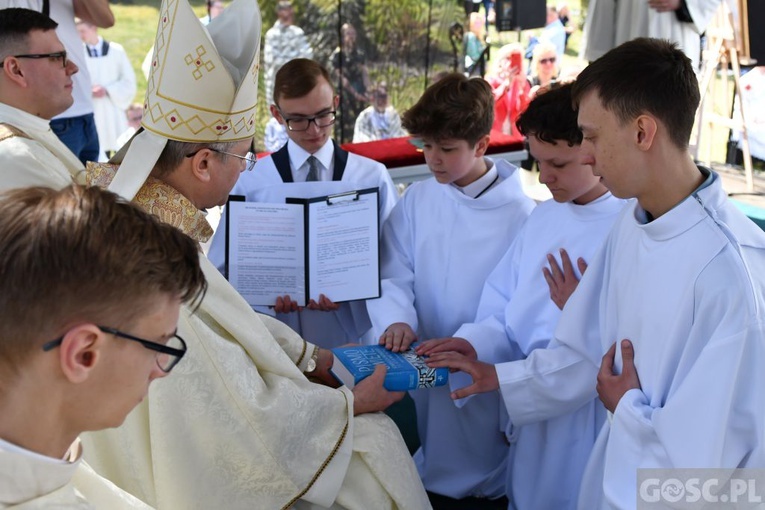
35	85
311	164
82	335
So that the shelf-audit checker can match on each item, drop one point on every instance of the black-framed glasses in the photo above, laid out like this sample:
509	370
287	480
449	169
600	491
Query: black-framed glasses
302	123
549	60
169	354
57	55
249	157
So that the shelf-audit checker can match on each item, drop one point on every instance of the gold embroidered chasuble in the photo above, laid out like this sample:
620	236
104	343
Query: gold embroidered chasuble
237	424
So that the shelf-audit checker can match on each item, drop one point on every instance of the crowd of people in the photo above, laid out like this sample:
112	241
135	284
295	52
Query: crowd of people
581	332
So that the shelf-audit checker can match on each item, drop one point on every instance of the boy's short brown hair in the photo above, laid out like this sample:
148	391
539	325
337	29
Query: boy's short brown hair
455	107
297	78
645	76
83	255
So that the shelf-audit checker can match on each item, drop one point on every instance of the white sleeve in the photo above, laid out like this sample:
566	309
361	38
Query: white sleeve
396	303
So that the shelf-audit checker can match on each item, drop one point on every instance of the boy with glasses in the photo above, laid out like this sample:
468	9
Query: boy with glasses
111	303
35	86
306	104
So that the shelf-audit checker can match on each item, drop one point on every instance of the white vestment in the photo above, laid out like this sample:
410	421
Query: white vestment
36	158
687	290
238	425
265	184
31	481
113	72
515	317
439	245
613	22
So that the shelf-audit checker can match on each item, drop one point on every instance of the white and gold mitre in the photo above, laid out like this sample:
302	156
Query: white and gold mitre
202	86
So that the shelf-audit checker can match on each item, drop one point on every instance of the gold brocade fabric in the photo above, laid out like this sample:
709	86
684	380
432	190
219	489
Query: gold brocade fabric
161	200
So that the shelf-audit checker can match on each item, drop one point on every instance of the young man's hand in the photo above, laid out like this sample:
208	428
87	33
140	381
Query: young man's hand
450	344
562	282
284	304
324	304
369	395
611	386
398	337
484	374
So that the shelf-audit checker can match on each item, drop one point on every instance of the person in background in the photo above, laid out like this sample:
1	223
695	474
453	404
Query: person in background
379	121
114	85
473	41
134	113
76	126
545	66
82	335
284	41
275	135
349	68
32	91
613	22
510	88
214	9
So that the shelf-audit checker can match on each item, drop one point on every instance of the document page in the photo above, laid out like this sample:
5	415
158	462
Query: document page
343	246
267	251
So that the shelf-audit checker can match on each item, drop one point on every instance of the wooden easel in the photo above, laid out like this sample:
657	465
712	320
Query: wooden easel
720	51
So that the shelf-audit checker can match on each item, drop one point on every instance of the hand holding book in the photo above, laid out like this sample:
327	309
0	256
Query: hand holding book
370	396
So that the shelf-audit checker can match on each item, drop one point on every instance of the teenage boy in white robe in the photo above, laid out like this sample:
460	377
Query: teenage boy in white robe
516	315
87	322
674	298
439	244
305	104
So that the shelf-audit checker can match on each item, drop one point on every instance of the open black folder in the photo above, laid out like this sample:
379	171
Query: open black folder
305	247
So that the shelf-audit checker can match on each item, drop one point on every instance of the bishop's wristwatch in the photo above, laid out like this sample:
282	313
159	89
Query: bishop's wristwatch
311	365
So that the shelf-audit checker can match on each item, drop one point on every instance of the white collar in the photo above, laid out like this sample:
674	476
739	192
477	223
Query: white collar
483	183
25	121
25	475
298	155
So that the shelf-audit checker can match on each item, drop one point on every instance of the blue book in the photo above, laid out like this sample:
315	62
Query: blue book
406	370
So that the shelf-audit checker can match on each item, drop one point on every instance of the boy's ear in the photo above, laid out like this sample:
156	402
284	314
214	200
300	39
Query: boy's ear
336	102
481	146
275	113
80	352
646	128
